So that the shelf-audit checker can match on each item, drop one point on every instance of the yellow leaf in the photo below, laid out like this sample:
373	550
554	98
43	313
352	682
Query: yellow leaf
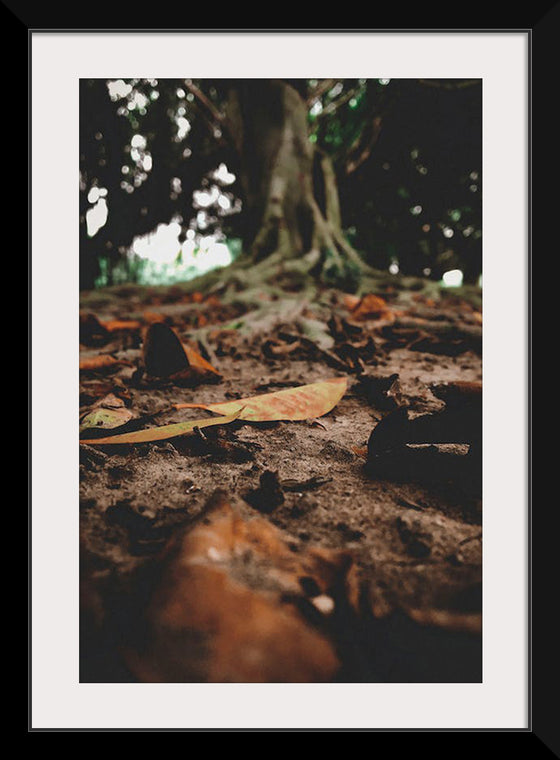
163	432
301	403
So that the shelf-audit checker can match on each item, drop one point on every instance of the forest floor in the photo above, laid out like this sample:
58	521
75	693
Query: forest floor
285	550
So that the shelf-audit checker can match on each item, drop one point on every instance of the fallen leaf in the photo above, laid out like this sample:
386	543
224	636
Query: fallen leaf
163	432
110	401
370	307
153	316
236	602
106	413
94	390
166	356
459	393
350	301
273	348
382	392
100	362
301	403
162	351
198	361
104	418
116	325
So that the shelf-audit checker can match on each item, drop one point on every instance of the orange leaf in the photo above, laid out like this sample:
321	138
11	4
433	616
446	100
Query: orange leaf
301	403
163	432
208	621
114	325
100	361
370	307
351	301
153	316
196	360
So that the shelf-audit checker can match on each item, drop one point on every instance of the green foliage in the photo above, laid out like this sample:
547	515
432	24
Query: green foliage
407	158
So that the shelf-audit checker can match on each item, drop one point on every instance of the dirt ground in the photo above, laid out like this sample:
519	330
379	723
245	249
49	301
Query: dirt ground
288	550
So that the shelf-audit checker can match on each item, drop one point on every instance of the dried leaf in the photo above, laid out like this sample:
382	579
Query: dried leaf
106	413
104	418
460	423
198	361
163	432
166	356
459	393
351	301
154	316
116	325
301	403
94	391
370	307
110	401
235	603
100	362
163	352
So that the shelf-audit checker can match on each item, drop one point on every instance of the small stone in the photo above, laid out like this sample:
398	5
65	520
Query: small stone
323	603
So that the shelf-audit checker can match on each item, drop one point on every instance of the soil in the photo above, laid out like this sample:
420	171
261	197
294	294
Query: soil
410	610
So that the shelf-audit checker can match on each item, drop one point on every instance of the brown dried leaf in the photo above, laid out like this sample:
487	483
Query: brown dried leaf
101	362
370	307
166	356
227	605
121	325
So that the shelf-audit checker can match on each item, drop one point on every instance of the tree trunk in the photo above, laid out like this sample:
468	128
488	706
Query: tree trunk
291	208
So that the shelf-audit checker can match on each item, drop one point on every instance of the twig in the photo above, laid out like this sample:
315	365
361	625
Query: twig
218	116
335	105
352	165
321	88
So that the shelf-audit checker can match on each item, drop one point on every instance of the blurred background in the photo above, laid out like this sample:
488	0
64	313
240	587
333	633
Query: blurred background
161	201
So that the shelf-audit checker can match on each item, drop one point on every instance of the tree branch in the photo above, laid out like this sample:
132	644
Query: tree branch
322	87
220	119
353	164
217	115
335	105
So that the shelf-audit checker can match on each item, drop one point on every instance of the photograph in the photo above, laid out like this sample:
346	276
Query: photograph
280	380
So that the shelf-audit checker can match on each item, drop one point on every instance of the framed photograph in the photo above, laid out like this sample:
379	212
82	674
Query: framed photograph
288	297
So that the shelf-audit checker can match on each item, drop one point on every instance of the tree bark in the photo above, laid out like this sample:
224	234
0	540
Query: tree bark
291	204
